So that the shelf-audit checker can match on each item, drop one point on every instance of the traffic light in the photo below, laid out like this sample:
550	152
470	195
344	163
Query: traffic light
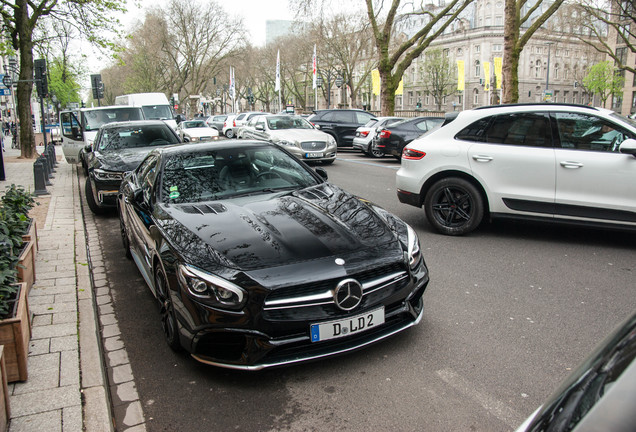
41	84
98	86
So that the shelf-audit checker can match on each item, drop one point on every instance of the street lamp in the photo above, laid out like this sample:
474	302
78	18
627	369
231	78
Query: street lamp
547	75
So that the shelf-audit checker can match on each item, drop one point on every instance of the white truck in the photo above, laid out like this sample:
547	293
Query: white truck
79	127
155	106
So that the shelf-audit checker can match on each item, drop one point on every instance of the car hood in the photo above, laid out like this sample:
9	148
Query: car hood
121	160
276	230
299	135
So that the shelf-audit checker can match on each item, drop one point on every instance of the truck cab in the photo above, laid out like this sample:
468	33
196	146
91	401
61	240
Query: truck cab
154	105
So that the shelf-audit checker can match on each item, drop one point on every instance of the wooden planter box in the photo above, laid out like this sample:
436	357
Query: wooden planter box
26	265
15	334
32	235
5	407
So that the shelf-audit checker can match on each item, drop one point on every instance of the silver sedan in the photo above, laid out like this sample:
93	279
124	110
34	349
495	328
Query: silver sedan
296	135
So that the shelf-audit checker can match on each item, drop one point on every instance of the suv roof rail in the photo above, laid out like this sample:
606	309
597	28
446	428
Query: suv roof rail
536	104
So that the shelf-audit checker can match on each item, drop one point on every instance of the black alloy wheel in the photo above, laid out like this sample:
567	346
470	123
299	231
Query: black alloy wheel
125	239
168	317
90	199
454	206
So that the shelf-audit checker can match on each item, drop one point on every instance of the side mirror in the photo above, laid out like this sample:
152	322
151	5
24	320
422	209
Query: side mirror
316	126
179	118
186	139
322	173
88	148
628	147
259	127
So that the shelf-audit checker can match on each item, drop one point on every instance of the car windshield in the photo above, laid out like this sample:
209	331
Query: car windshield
118	138
624	119
216	174
287	122
194	124
94	119
157	112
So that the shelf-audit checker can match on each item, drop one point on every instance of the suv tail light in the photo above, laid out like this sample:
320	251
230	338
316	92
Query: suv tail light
385	133
364	133
234	123
409	153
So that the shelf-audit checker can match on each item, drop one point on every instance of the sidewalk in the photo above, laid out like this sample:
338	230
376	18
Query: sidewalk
66	387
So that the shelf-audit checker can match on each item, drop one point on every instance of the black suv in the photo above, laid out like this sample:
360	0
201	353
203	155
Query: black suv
340	123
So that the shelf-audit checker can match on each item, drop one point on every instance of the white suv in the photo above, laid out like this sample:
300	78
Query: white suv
565	163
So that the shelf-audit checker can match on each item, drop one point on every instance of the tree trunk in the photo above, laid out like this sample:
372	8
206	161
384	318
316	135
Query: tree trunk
387	93
25	86
510	66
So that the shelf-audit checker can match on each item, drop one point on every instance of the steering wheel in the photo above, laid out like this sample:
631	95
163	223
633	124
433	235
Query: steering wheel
268	174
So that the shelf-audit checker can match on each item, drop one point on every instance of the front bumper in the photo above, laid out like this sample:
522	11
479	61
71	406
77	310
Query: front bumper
105	192
281	336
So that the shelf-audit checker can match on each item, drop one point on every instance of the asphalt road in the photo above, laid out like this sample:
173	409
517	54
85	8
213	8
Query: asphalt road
509	311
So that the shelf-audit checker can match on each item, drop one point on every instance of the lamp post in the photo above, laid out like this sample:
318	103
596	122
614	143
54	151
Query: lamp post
547	75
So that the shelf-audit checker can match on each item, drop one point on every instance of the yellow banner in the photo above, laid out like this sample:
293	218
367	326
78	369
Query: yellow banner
460	75
498	66
375	81
486	76
400	89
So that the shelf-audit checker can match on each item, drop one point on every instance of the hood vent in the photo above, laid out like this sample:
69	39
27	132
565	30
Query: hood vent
203	208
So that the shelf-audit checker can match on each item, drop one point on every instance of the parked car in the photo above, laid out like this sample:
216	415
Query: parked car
599	395
551	162
246	129
230	129
119	147
228	126
196	131
392	139
341	124
295	134
216	121
257	261
365	135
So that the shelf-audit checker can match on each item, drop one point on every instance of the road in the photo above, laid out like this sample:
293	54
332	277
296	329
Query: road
509	311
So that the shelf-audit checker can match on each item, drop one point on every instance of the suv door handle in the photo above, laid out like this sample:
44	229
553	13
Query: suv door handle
482	158
571	165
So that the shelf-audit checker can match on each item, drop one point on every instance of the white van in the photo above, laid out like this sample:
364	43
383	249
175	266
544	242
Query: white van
79	127
154	105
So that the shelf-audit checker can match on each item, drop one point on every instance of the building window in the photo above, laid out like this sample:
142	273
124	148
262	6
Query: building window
426	99
555	98
497	48
556	71
575	96
498	21
477	68
411	98
633	102
477	48
537	69
475	97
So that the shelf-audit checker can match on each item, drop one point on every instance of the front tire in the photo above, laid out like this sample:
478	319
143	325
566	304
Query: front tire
229	133
454	206
168	316
90	199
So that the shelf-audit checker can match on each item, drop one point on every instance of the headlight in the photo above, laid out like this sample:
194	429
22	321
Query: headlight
212	289
285	142
331	141
413	251
101	174
193	139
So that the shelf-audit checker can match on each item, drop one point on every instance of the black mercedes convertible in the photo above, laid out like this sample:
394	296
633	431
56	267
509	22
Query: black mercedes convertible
257	261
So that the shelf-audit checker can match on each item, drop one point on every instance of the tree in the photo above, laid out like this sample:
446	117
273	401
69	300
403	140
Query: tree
397	49
611	20
517	14
439	76
603	79
20	18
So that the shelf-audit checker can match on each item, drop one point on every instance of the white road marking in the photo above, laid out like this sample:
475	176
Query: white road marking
492	405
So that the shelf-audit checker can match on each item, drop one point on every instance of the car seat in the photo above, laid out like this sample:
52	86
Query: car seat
237	175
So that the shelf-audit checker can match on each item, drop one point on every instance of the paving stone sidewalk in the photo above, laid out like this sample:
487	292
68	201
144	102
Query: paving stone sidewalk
66	387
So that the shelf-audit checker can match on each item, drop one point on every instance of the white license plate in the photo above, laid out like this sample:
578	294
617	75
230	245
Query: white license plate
313	155
347	326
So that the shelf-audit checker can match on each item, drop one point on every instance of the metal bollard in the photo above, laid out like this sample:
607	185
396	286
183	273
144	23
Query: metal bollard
39	178
45	167
50	157
54	155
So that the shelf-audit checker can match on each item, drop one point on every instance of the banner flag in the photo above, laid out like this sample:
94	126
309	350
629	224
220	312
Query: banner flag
375	81
461	81
486	76
277	85
400	89
315	82
498	74
231	90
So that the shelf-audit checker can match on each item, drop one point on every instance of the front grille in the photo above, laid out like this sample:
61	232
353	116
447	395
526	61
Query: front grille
313	145
314	301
